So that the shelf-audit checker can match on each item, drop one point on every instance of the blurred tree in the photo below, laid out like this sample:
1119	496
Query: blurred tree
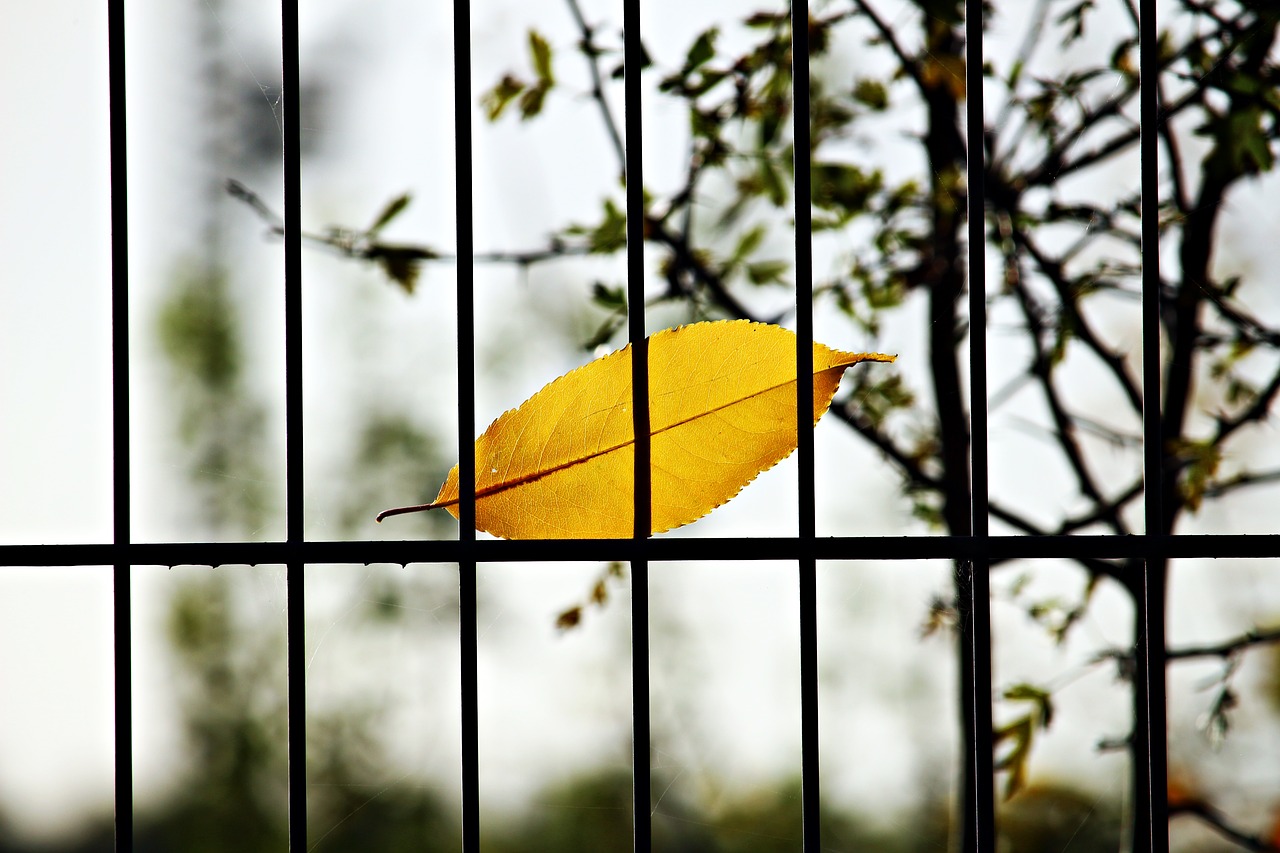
1053	818
220	423
230	689
1063	217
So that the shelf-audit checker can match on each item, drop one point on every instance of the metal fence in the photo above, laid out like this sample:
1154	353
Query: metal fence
972	554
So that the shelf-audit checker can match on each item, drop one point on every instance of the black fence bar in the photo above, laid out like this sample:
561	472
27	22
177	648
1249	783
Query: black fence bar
294	476
463	188
712	548
635	268
1149	738
811	799
1150	755
804	268
979	818
122	609
641	774
1149	118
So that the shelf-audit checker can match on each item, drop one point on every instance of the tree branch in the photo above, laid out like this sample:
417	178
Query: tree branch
1227	648
1259	410
687	260
1052	163
591	51
1103	510
1042	368
909	63
1180	197
357	245
1052	270
1195	254
1217	490
907	464
1212	817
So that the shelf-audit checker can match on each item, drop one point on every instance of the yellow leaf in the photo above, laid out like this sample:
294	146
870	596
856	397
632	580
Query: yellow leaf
722	408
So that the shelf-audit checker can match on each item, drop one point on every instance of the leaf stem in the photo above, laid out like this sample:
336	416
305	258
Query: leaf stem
405	510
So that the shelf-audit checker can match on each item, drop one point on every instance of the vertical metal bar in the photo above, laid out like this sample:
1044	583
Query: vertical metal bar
811	799
1149	746
121	593
977	262
804	267
640	786
1150	756
1149	116
464	215
635	269
294	571
976	629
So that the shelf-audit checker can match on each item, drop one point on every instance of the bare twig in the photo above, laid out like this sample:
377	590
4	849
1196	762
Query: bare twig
1030	40
1258	411
1210	816
1102	511
1218	489
686	259
1053	163
356	244
909	63
1227	648
907	464
1052	270
1042	368
591	51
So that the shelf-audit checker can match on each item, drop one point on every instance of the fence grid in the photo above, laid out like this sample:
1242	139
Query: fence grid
972	554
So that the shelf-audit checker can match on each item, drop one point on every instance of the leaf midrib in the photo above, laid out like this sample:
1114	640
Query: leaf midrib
534	476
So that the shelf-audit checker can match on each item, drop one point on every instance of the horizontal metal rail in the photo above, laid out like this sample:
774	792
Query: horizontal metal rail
714	549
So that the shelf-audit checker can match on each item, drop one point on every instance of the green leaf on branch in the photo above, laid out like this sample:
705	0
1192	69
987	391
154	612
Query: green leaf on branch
767	272
772	183
532	100
871	93
773	115
702	50
1201	460
607	237
768	19
495	101
844	186
540	54
402	264
610	298
1038	697
1020	733
532	95
611	235
393	209
747	244
877	398
1073	20
1241	144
